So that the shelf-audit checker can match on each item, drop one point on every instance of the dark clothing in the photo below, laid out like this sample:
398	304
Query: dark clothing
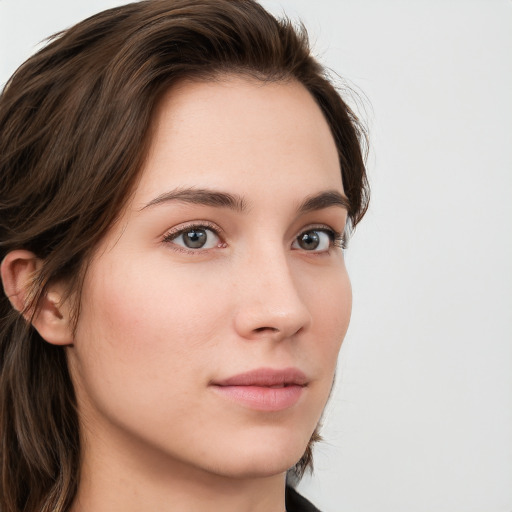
296	503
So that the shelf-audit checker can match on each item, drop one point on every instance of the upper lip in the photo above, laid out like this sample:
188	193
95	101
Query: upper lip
266	377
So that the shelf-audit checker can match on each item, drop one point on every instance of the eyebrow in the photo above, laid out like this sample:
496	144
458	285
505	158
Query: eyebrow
324	200
201	196
236	202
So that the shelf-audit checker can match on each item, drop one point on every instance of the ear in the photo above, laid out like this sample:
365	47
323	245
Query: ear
52	317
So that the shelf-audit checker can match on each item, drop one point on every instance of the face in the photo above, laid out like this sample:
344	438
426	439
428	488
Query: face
213	311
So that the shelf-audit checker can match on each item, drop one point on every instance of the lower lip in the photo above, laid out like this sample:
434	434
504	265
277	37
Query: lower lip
262	398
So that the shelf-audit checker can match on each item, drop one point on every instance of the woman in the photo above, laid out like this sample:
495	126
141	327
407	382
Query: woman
177	182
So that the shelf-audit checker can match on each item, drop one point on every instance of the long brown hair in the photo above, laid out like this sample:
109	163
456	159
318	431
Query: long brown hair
74	124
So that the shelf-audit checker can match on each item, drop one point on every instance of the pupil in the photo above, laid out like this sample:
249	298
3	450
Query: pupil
195	238
309	240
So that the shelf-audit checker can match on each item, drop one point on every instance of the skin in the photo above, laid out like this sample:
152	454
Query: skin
160	322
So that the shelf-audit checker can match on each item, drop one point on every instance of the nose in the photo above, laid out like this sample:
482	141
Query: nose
269	304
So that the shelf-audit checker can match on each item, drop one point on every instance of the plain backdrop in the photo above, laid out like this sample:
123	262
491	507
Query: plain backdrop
421	419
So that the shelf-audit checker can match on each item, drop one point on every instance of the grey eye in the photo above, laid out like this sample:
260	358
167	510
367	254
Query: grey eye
313	240
196	238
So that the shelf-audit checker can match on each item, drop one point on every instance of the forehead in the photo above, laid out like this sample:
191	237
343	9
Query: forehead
240	134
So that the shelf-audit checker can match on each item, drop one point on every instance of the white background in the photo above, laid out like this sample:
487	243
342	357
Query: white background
421	420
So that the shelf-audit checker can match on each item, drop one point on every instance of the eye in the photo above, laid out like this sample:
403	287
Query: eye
194	237
317	240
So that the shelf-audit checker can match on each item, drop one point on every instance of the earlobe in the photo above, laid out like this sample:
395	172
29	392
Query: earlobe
51	317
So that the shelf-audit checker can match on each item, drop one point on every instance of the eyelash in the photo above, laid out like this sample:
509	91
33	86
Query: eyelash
338	240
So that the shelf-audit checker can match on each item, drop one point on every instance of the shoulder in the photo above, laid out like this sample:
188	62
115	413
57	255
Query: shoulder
297	503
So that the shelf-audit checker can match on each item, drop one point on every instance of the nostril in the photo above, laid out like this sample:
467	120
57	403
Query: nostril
262	329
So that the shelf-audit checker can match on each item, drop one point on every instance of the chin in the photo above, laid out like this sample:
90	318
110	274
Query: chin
264	457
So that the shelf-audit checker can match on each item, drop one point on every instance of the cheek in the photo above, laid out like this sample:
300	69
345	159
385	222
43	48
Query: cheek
151	304
144	346
331	307
331	302
155	324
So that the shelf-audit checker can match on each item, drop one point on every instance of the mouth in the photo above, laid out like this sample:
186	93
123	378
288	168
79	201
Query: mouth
264	389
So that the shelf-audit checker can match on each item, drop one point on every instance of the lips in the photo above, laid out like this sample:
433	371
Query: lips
264	389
